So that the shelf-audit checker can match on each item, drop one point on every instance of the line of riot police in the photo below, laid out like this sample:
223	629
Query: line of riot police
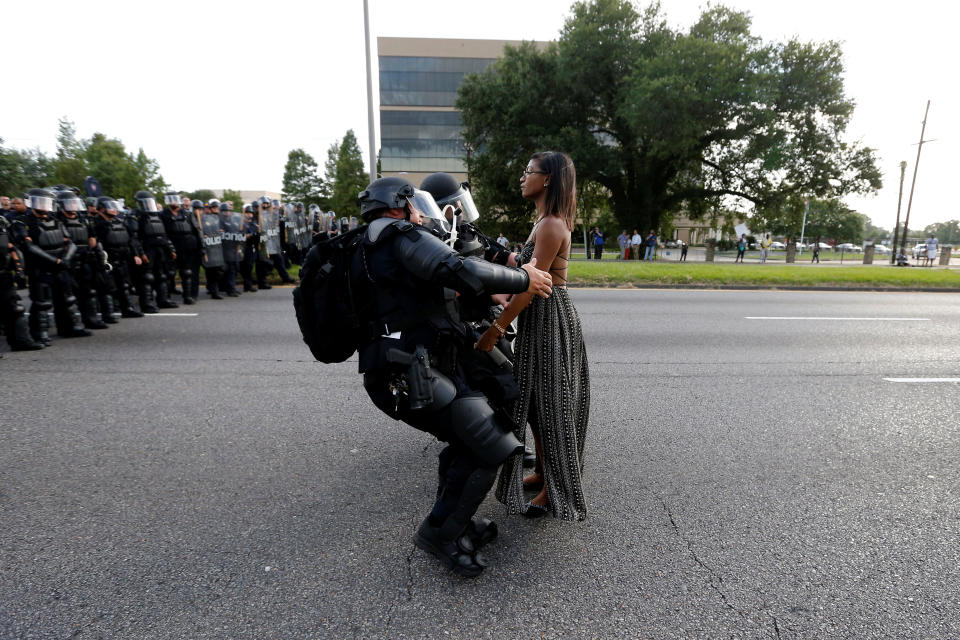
90	261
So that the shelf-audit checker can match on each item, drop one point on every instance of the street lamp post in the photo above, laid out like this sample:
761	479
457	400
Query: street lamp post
896	227
803	226
923	129
366	39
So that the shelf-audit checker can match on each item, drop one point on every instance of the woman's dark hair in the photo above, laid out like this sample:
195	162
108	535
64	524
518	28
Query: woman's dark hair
562	187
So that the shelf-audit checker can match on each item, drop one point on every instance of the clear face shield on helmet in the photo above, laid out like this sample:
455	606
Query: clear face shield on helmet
171	199
111	208
148	204
73	205
39	203
431	215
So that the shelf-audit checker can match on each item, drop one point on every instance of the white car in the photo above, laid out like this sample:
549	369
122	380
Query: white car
849	246
777	246
920	251
879	248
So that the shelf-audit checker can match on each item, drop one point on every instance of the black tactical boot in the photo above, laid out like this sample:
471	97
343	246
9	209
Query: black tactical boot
457	554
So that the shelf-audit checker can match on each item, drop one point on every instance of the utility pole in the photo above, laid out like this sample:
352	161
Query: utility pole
373	146
896	227
803	225
923	129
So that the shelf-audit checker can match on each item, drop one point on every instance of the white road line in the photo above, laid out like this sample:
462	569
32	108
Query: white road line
837	318
922	379
182	315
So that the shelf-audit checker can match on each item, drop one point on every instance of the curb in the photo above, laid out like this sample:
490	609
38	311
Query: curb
759	287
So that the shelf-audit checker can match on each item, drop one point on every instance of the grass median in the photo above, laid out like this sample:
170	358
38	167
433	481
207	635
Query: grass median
635	273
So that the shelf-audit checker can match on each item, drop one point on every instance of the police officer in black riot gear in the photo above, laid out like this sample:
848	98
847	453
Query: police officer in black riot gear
403	278
157	251
123	253
88	261
251	244
12	275
213	262
231	227
184	232
49	252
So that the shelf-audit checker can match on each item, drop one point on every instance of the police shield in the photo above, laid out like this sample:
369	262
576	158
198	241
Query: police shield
304	231
231	223
269	232
212	241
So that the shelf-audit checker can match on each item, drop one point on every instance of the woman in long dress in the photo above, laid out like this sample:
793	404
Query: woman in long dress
551	362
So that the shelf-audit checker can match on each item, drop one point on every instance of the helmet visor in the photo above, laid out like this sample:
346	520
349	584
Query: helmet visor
423	202
171	198
111	205
40	203
74	205
148	204
464	206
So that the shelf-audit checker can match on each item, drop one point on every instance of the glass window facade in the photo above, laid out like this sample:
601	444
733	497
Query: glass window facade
422	140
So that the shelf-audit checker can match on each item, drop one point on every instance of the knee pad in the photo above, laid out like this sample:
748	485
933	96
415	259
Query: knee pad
187	273
148	277
474	424
70	300
42	305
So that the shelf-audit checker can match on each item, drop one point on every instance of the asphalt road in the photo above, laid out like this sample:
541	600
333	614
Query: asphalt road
202	477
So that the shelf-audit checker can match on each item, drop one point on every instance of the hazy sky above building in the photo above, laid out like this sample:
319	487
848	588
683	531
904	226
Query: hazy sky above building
219	92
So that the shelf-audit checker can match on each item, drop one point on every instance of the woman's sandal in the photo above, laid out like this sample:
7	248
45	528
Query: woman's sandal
535	510
532	486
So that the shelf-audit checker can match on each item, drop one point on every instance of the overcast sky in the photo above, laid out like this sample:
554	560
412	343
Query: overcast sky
222	91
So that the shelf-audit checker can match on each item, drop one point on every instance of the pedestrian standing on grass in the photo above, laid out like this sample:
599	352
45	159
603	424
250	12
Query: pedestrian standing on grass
624	241
683	251
597	243
741	248
650	245
636	242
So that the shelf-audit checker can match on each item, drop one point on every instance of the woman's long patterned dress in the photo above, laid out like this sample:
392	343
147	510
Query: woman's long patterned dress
552	372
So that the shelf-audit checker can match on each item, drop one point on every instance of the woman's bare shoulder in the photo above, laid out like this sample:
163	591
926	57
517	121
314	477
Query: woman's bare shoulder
552	226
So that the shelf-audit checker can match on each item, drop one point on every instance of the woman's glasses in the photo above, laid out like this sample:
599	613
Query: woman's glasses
527	172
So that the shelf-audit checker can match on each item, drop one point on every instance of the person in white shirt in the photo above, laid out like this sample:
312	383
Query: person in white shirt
765	247
932	243
636	241
502	240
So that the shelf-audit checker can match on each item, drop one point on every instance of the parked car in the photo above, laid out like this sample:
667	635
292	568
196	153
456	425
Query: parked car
879	248
849	247
920	250
777	246
671	244
823	245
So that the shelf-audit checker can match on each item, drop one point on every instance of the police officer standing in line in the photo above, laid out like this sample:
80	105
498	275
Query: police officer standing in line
251	236
401	278
157	250
88	260
12	317
231	227
48	251
212	248
123	253
183	231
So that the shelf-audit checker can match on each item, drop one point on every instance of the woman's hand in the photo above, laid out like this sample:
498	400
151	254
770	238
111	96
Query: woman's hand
541	283
488	340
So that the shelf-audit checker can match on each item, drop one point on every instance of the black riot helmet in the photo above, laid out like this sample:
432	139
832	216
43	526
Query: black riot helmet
248	208
146	201
108	206
197	205
396	193
263	201
41	200
226	206
298	206
447	191
171	199
69	203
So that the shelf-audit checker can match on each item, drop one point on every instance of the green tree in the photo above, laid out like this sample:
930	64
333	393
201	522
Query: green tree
69	166
666	120
946	232
234	197
301	183
204	195
23	170
148	171
827	218
109	162
345	175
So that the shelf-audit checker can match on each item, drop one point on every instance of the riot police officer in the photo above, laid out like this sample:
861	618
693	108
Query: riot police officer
89	259
123	253
157	250
184	232
231	227
212	248
402	278
12	317
251	239
48	251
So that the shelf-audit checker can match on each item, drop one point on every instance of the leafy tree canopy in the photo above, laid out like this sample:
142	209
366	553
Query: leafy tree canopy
345	175
301	182
664	120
